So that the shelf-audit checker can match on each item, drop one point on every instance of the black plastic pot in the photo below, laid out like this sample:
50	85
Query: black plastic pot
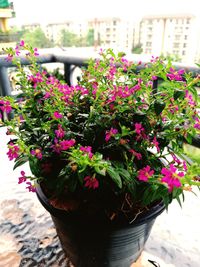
99	244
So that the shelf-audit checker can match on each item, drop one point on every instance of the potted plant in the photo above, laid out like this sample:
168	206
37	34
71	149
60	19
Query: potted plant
105	154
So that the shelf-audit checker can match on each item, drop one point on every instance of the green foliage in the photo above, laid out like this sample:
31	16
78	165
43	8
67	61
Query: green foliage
137	49
36	38
113	137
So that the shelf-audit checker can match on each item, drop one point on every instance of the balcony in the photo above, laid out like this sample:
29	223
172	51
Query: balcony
8	37
28	235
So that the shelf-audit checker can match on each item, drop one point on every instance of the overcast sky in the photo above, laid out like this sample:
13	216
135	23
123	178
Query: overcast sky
45	11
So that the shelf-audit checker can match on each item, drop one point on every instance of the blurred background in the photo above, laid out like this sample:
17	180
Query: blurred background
146	27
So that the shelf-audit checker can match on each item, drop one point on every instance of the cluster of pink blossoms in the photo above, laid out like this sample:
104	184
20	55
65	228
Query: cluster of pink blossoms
91	182
37	152
63	145
145	173
87	150
5	106
13	151
110	133
23	179
175	75
171	176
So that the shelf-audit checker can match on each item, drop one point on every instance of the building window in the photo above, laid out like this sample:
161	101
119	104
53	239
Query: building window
188	21
177	37
175	52
148	44
185	37
184	45
114	22
183	52
176	45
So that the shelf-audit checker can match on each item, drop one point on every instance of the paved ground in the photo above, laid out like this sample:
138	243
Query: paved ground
28	237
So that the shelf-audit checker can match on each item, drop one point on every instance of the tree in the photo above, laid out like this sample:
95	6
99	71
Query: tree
68	38
90	38
37	38
137	49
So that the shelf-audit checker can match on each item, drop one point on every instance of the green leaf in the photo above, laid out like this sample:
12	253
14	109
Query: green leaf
125	174
115	176
159	106
179	94
99	170
20	162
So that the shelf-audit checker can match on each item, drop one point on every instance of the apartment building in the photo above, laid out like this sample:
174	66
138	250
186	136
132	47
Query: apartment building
31	27
112	32
171	35
53	30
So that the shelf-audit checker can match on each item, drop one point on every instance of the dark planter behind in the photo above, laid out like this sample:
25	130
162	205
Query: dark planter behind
98	244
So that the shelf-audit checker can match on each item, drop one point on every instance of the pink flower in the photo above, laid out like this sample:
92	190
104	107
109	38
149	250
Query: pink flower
9	58
88	150
66	144
91	182
5	106
156	144
57	115
110	133
37	152
145	173
60	133
138	128
63	145
36	52
171	177
30	187
197	124
175	75
136	154
17	52
154	77
22	179
22	43
13	151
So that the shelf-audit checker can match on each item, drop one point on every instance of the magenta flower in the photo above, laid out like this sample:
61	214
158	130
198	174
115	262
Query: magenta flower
145	173
60	133
13	151
66	144
57	115
37	152
175	75
138	128
154	77
22	43
62	145
136	154
5	106
171	177
9	58
17	52
36	52
156	144
88	150
91	182
22	179
30	187
110	133
197	124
